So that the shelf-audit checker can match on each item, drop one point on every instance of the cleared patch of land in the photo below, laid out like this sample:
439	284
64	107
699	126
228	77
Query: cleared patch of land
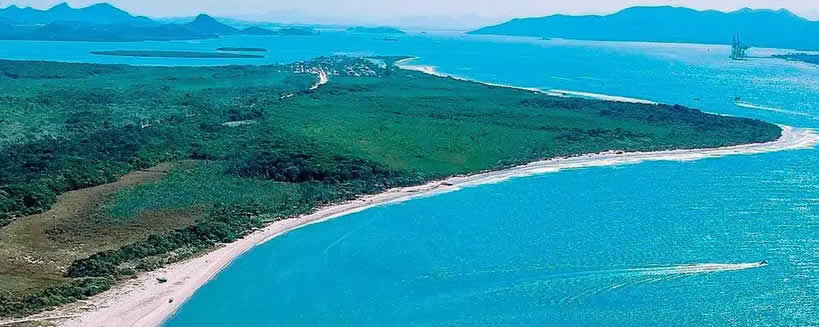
35	251
172	54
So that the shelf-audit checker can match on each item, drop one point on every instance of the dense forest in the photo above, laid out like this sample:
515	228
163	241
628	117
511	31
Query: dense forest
247	145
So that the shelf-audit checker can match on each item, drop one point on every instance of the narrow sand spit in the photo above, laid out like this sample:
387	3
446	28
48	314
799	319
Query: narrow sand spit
146	302
431	70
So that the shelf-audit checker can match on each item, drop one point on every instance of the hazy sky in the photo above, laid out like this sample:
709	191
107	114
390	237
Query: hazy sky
383	10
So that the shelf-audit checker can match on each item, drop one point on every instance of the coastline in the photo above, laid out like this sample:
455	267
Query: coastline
143	301
431	70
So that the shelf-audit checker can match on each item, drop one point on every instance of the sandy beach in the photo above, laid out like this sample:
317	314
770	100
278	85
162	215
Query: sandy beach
146	302
406	64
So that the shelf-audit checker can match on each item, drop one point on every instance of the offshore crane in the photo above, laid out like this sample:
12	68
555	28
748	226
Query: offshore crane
738	49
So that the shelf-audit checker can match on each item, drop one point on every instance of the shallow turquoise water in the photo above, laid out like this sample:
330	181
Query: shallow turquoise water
599	246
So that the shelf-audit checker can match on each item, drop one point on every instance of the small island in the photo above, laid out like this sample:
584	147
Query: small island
242	49
253	30
174	54
803	57
375	30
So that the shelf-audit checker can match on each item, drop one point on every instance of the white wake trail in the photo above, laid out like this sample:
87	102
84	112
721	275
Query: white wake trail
699	268
772	109
650	275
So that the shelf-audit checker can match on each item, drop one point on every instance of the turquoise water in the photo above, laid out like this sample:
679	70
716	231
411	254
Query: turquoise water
610	246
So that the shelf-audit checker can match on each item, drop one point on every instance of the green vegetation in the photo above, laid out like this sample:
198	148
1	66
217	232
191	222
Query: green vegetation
172	54
197	184
209	154
803	57
79	289
224	224
91	130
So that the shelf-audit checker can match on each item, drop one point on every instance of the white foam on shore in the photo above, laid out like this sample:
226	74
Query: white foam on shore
604	97
791	139
432	70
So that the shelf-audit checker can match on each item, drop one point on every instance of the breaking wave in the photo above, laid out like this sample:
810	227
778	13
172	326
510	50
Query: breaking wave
598	96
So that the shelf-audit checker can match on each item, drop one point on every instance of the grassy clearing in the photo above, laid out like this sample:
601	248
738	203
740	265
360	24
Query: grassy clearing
35	251
199	185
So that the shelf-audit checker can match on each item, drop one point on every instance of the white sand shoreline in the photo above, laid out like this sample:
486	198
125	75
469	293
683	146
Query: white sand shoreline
431	70
145	302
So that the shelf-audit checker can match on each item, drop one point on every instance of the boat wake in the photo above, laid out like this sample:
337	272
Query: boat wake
700	268
591	282
649	275
766	108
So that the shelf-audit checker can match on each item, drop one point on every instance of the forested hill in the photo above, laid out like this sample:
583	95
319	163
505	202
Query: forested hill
101	13
758	28
104	22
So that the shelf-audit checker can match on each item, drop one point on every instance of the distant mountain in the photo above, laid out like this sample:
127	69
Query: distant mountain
206	24
759	28
101	13
106	23
72	31
375	30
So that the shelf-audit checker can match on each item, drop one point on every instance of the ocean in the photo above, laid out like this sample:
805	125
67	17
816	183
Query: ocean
651	244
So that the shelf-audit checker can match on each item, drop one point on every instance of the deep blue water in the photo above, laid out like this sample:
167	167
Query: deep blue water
599	246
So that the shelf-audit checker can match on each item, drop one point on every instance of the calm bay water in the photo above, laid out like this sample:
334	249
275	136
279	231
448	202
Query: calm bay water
609	246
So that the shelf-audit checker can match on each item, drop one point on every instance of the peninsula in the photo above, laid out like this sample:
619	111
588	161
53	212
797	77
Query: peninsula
133	168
